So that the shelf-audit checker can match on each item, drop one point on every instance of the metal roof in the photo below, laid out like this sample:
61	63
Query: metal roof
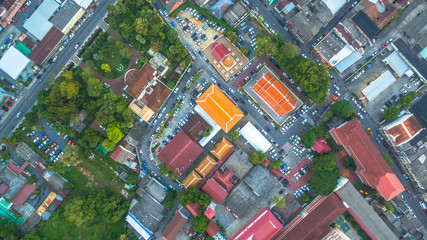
379	85
255	138
38	25
13	62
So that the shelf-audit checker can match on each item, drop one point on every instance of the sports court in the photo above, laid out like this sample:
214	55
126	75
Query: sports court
274	94
341	223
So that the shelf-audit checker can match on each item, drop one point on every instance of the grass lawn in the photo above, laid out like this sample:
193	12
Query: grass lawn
106	50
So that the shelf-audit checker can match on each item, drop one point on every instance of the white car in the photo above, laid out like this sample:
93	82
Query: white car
54	58
61	48
28	3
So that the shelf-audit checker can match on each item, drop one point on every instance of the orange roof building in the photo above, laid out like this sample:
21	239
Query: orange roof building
223	149
403	129
220	108
206	165
275	94
191	180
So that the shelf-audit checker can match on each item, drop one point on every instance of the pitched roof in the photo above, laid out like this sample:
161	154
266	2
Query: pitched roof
180	152
320	146
223	149
366	24
155	99
275	94
23	195
195	126
220	108
174	226
210	212
212	229
313	222
191	180
194	208
12	9
403	129
206	165
12	166
224	179
137	79
121	154
219	51
46	46
372	168
263	226
215	191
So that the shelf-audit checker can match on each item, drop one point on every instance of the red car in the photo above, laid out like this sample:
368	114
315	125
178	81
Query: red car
8	106
24	8
11	100
158	149
14	20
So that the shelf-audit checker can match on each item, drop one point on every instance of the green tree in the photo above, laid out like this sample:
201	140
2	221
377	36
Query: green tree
106	67
279	201
72	156
325	162
68	185
94	87
79	210
113	208
132	179
276	164
31	236
11	141
91	138
108	145
306	198
311	135
257	157
387	159
342	109
204	200
266	46
234	134
323	182
200	223
113	132
164	169
391	113
232	36
7	230
173	175
125	53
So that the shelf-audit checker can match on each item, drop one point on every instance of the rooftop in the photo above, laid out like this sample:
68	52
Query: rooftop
47	8
154	188
191	180
154	99
180	152
38	26
223	149
206	165
411	56
121	154
366	24
148	212
372	168
403	129
174	226
255	137
13	62
12	7
136	80
313	222
194	208
241	199
235	14
67	11
136	134
239	163
195	127
375	88
23	194
215	191
260	180
212	229
13	182
380	12
263	226
46	46
224	179
321	146
220	108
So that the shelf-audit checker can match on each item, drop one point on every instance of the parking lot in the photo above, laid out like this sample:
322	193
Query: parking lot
247	32
198	29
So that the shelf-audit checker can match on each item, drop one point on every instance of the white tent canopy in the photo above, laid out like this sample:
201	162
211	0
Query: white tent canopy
13	62
255	138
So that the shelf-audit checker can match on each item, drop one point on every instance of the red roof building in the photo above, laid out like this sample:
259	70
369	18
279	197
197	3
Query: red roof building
23	195
194	208
276	172
264	226
313	222
210	213
195	126
174	226
49	42
320	146
219	51
212	229
224	179
180	152
372	168
403	129
215	191
136	80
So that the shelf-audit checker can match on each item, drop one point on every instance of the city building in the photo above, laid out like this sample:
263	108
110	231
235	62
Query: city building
212	229
67	16
215	191
263	226
321	146
13	184
416	32
371	166
402	129
174	226
339	49
13	62
397	63
195	127
236	14
12	7
223	150
206	165
180	152
124	153
38	24
273	96
225	57
376	87
215	105
410	55
255	137
285	6
44	49
191	180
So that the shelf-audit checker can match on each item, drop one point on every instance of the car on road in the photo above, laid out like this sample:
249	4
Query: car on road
24	8
18	114
77	45
28	3
61	48
54	58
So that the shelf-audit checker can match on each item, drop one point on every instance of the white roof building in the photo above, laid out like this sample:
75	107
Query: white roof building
47	8
255	138
84	3
13	62
379	85
334	5
38	25
397	63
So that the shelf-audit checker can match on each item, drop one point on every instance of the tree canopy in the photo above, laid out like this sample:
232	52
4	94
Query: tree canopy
257	157
311	135
193	194
325	174
343	109
200	223
391	113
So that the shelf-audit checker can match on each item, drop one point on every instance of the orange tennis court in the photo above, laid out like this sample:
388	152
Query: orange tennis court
275	94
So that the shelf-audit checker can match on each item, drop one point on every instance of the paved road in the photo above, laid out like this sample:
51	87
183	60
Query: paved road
28	96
